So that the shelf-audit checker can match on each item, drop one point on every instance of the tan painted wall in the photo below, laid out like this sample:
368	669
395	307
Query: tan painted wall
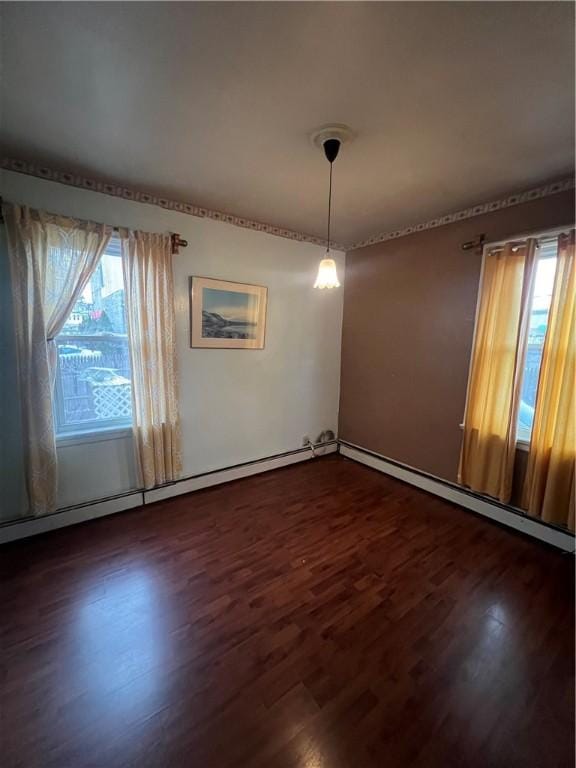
409	307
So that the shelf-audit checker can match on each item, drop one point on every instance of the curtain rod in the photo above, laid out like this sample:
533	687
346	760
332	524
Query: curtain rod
540	236
545	235
177	241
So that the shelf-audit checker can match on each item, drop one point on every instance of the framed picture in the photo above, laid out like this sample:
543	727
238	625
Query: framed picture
226	315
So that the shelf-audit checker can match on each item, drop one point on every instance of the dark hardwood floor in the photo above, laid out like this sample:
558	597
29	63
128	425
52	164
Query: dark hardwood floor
319	616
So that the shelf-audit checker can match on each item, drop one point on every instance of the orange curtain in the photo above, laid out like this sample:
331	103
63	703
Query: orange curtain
489	440
549	484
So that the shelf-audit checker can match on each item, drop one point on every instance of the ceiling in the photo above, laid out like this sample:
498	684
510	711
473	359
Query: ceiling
212	103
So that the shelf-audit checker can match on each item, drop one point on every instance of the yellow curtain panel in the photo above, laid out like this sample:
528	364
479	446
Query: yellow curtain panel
549	484
489	439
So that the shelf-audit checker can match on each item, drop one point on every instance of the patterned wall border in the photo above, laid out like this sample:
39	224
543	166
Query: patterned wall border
477	210
75	180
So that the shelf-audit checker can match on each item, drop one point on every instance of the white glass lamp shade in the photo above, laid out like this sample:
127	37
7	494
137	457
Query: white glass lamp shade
327	276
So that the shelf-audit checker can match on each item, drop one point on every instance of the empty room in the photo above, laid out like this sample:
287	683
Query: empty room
287	384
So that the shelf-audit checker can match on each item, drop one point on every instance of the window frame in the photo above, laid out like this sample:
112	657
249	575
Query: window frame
523	440
94	430
94	427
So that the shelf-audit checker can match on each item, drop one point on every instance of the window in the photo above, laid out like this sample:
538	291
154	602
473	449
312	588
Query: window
542	297
93	380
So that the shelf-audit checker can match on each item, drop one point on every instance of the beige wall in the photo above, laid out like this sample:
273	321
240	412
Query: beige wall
409	307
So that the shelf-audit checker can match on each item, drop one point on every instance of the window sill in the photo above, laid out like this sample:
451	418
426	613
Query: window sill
521	445
103	435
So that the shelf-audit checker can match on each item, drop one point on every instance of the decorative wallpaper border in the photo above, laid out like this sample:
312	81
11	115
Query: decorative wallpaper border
467	213
127	193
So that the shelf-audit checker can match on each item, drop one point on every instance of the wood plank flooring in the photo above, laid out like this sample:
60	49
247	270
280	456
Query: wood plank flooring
318	616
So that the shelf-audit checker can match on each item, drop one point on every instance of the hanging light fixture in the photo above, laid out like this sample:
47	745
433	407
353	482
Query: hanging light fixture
327	275
330	138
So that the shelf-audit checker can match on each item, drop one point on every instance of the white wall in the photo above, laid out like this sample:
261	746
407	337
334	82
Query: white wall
236	405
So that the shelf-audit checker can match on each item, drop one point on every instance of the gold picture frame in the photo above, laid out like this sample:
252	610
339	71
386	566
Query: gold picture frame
227	315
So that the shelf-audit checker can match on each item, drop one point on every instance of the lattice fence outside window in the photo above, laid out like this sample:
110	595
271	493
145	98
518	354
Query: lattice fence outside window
112	401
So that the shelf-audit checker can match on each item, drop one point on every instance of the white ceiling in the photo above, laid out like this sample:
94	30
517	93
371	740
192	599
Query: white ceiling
212	103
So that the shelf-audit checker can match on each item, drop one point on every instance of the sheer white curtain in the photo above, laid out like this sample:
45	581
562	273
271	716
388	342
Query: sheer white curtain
147	262
51	260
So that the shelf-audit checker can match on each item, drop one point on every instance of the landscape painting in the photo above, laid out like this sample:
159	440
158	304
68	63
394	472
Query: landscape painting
229	314
226	315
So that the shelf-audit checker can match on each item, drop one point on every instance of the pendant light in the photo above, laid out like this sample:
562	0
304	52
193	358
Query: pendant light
327	275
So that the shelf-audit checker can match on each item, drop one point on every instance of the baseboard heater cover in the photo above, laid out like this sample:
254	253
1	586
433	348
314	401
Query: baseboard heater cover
217	477
32	526
80	513
451	492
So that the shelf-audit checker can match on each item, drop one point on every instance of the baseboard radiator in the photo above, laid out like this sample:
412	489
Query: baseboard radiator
512	518
500	513
79	513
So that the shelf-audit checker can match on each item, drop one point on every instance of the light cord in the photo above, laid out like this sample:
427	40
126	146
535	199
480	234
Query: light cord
329	207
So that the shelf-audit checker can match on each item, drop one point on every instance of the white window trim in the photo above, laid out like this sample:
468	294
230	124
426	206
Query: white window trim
104	434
